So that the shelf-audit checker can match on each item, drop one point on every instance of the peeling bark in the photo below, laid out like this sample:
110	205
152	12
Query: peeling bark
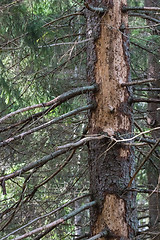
110	171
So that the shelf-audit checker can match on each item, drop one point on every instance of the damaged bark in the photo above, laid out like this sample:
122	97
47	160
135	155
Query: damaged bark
111	166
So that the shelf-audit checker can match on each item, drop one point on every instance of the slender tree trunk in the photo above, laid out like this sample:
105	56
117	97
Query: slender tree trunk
154	121
110	167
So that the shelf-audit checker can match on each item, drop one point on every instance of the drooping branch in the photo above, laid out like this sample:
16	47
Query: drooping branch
52	175
49	227
63	17
63	149
144	16
144	161
55	120
64	64
55	102
143	27
66	43
126	8
138	82
142	190
143	48
17	204
46	215
49	157
148	100
147	89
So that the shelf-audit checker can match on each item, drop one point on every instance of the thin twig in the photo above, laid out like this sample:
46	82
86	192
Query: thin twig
144	16
61	18
144	161
66	43
138	82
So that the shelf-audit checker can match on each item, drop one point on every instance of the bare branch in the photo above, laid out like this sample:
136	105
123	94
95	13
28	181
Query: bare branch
136	136
63	17
49	227
142	27
138	82
99	235
66	43
55	120
144	161
144	16
55	102
96	9
46	215
142	190
82	141
125	9
147	89
142	47
49	157
148	100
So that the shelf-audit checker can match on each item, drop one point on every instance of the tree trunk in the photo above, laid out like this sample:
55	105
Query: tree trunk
154	121
110	166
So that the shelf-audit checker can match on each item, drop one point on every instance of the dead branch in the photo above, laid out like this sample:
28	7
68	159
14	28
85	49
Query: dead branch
138	82
45	159
55	120
49	227
63	17
143	48
126	8
142	27
66	43
144	16
46	215
18	203
148	100
96	9
142	190
144	161
81	142
147	89
99	235
55	102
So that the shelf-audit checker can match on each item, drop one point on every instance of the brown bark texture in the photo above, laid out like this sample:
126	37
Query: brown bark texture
154	121
110	170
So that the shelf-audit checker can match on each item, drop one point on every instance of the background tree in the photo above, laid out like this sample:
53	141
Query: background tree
153	121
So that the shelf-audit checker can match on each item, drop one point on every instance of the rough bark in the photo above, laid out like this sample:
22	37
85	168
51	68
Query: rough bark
110	171
154	121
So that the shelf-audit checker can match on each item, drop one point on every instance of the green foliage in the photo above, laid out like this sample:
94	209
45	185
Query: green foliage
34	32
